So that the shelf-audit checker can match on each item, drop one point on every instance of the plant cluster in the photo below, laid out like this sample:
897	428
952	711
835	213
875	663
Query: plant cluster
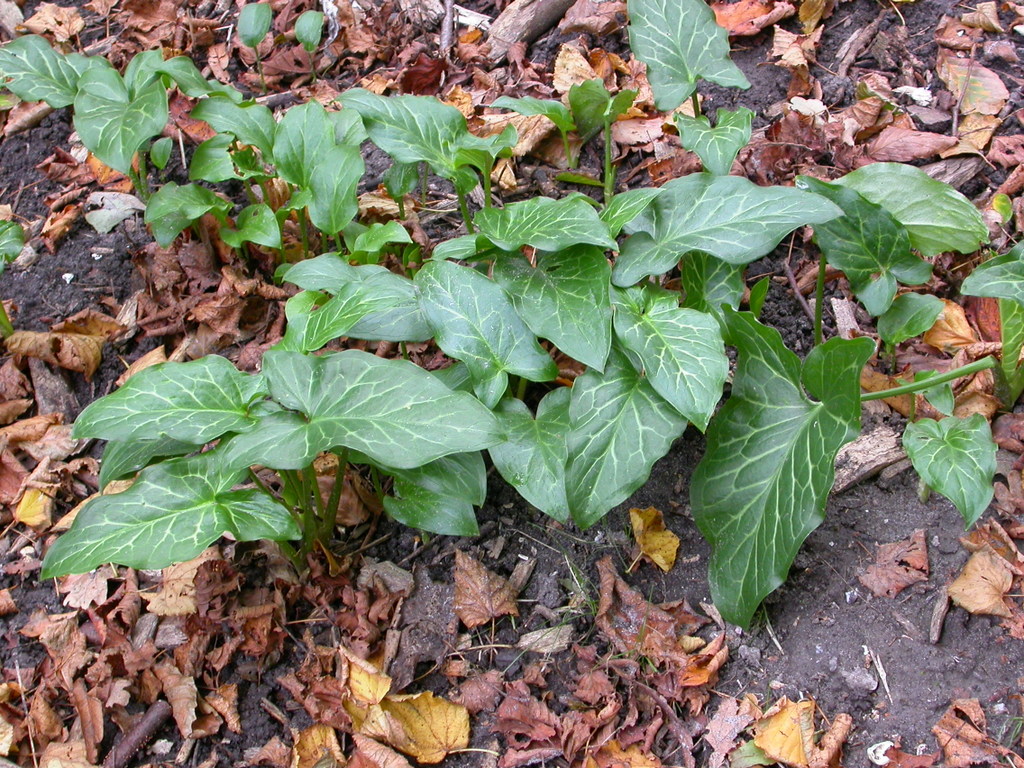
216	450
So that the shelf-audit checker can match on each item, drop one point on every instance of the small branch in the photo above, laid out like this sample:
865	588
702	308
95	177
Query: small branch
139	736
942	378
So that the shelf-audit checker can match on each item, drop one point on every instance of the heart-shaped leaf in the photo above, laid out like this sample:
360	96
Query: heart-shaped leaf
680	43
708	283
172	208
334	181
302	140
193	402
910	315
680	350
762	484
475	321
957	458
725	216
114	124
868	244
594	108
626	206
212	161
39	73
173	511
544	223
716	147
1001	277
250	123
937	217
532	458
619	427
439	497
391	410
254	224
123	458
564	298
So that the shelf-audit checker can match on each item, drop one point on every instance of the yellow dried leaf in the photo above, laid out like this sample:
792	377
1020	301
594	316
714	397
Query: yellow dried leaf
951	330
433	726
571	68
177	595
316	743
153	357
6	736
786	732
62	22
383	756
35	508
612	755
73	351
366	683
977	130
976	88
656	542
984	16
982	583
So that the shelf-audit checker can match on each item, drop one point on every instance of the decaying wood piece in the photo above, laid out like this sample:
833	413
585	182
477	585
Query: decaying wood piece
866	456
524	21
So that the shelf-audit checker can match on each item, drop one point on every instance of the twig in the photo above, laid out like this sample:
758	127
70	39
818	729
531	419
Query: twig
963	90
788	269
138	736
447	39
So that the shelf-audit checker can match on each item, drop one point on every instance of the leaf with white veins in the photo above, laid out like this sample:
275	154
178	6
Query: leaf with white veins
544	223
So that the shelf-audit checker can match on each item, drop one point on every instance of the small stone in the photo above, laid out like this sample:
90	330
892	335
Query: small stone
749	655
859	679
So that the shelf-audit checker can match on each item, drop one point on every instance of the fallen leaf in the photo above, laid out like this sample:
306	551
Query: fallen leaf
961	735
732	717
315	744
976	131
951	330
786	732
897	566
984	16
224	701
374	754
58	225
812	12
75	344
655	541
181	693
571	68
900	759
901	145
61	22
7	604
612	755
480	594
481	692
991	535
976	88
433	726
548	639
981	585
84	590
177	595
595	17
749	17
35	508
366	684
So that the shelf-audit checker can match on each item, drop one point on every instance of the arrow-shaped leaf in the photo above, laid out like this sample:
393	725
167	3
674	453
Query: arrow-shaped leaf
173	511
680	43
193	402
544	223
250	123
302	140
957	458
999	278
681	350
39	73
255	223
868	244
708	283
716	147
172	208
762	485
619	427
334	181
532	458
475	321
726	216
439	497
564	298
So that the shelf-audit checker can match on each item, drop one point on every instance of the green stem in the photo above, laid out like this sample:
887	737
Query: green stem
819	301
521	388
570	160
695	101
609	169
918	386
487	186
330	515
304	232
259	68
464	209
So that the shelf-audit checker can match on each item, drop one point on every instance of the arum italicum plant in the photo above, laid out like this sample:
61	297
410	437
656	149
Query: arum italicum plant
214	450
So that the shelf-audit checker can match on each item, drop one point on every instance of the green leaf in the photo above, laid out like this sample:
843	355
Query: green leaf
303	138
626	206
39	73
1010	375
193	402
352	303
212	161
868	244
940	396
564	299
937	217
123	458
400	179
254	23
348	127
114	125
172	208
591	103
708	283
680	350
910	315
619	427
250	123
555	111
160	152
12	240
173	511
439	496
957	458
725	216
334	180
412	128
308	29
680	43
474	321
757	296
999	278
544	223
533	456
374	239
391	410
254	224
716	147
762	485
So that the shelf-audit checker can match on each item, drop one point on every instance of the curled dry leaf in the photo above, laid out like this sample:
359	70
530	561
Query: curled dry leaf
951	330
981	585
655	541
976	88
984	16
593	17
61	22
612	755
786	732
181	692
897	566
749	17
177	595
902	145
964	742
732	717
315	744
480	594
373	754
571	68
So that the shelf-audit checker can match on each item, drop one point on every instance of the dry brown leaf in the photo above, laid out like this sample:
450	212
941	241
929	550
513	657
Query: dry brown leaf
786	732
84	590
992	535
35	508
612	755
655	541
749	17
433	726
316	743
975	87
177	595
897	566
984	16
181	693
571	68
68	754
951	331
153	357
90	718
964	742
7	604
57	226
75	344
480	594
732	717
812	12
1007	151
374	754
981	585
976	130
595	17
62	22
366	684
900	145
224	701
